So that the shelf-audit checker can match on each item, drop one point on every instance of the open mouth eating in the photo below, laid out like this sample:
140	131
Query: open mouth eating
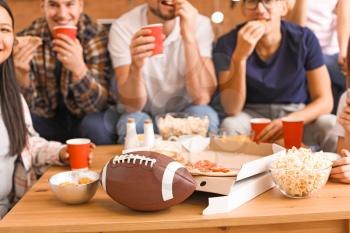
168	2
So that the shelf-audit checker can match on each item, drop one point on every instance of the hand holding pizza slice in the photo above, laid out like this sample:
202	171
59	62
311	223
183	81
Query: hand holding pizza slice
23	53
32	41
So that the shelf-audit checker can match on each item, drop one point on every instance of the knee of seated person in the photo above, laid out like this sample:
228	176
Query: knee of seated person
199	108
139	118
204	110
326	123
231	125
91	121
94	127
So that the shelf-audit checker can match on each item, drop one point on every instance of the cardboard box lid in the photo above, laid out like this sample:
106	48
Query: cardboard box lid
249	158
240	193
260	165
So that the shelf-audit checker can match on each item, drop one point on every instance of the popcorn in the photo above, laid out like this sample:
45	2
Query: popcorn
300	172
170	126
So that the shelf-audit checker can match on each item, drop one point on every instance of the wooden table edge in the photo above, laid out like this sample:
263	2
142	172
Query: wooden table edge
219	222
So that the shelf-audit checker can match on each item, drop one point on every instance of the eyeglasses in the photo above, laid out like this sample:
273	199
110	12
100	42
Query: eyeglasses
253	4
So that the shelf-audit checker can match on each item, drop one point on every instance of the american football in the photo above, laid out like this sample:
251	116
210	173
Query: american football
146	181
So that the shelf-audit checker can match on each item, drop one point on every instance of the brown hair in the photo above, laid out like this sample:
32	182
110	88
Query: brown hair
10	101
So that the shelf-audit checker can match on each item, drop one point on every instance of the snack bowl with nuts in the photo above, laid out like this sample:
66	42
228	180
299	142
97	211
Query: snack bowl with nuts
174	125
74	187
300	173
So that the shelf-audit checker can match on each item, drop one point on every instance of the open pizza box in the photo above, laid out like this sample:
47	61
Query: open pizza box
250	159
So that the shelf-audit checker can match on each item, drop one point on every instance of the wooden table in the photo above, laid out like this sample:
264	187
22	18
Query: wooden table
39	211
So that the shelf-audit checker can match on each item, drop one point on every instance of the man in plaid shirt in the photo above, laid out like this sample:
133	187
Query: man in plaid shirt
66	82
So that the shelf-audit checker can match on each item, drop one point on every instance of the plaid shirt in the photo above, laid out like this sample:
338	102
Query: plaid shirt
91	94
35	159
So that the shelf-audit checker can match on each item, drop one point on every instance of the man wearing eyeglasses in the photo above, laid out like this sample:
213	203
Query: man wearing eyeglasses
272	69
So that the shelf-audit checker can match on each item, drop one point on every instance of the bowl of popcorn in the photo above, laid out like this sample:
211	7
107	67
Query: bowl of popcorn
173	125
300	173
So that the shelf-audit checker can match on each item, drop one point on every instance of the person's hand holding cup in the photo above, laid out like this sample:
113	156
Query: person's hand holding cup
257	126
156	32
77	153
147	42
69	51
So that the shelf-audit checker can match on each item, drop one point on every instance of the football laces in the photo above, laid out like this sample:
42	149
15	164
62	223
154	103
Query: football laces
133	159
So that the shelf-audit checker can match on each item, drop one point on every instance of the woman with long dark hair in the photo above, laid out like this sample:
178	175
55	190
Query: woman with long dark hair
23	154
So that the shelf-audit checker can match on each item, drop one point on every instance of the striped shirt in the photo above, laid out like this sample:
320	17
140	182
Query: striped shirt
91	94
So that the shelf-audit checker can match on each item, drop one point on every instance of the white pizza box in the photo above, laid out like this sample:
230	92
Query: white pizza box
241	192
253	178
249	158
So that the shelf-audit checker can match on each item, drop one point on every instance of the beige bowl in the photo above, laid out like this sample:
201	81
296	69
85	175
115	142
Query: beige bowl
71	187
173	125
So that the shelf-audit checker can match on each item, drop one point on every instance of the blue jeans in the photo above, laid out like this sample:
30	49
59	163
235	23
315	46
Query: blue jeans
99	127
337	78
200	110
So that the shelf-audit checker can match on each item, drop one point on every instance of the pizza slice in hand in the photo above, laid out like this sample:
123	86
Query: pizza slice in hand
22	41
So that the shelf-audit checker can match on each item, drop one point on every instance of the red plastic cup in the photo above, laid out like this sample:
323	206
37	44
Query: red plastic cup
257	125
79	150
292	132
70	31
157	33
